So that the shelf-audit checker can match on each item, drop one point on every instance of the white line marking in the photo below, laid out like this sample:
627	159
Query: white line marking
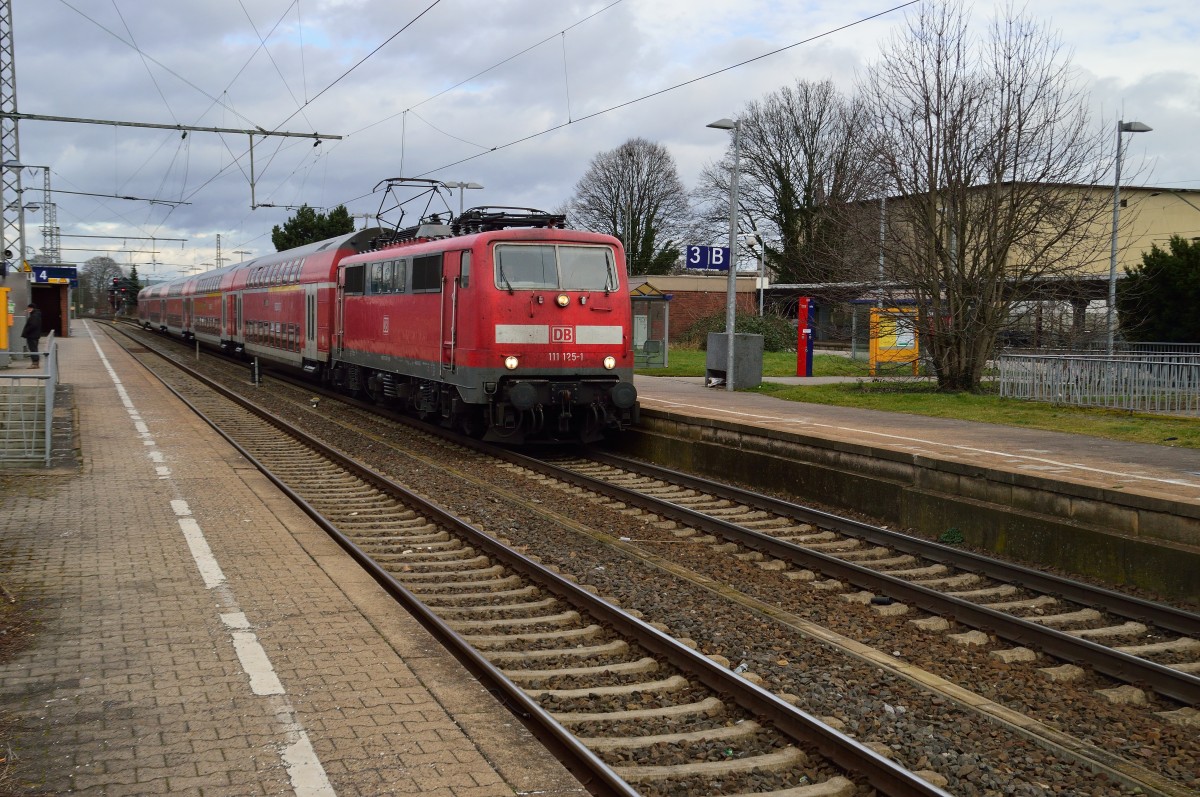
776	419
206	563
303	766
263	680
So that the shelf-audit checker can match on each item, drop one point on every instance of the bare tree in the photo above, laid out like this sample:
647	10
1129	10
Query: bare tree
634	193
989	152
95	277
804	161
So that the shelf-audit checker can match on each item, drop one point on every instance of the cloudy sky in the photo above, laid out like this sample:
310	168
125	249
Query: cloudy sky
515	95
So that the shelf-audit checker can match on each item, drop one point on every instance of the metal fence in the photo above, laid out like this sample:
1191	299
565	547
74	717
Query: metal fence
27	410
1146	381
1124	350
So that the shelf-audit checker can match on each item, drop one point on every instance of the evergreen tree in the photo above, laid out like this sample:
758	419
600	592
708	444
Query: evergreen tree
1158	299
308	226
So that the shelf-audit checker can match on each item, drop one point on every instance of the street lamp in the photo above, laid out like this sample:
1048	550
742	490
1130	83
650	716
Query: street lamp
460	187
731	297
1122	127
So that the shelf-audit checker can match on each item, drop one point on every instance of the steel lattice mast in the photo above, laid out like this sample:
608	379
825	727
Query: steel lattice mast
10	179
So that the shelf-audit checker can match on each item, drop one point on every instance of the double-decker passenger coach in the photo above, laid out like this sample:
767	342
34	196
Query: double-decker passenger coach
500	323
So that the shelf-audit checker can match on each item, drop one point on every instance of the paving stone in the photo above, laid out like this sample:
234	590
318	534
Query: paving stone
132	686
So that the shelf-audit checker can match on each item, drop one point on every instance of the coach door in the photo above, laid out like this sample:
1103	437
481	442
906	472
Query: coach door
453	264
232	317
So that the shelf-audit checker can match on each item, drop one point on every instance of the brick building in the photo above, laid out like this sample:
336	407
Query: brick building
696	297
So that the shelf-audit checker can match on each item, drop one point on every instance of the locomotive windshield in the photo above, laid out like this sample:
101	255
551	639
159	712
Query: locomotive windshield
550	267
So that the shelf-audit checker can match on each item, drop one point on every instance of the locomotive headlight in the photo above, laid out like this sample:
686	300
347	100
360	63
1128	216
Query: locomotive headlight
563	300
511	362
610	362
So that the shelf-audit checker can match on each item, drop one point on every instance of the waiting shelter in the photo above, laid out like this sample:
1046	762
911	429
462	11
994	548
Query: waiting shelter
651	325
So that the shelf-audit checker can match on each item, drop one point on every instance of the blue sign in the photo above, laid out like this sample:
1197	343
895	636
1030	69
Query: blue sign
56	275
707	258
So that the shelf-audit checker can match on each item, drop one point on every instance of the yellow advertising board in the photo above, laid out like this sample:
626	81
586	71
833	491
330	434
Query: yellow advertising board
894	338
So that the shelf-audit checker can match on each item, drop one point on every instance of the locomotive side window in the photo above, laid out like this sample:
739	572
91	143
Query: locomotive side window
400	276
573	268
464	280
354	279
385	282
377	278
427	274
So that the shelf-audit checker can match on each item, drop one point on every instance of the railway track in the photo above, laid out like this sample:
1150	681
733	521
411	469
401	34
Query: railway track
627	707
1132	640
1098	747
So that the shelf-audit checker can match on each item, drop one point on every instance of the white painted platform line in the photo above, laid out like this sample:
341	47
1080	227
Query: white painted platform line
304	769
206	563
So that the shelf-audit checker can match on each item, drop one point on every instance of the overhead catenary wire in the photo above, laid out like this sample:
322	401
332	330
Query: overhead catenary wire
668	89
485	149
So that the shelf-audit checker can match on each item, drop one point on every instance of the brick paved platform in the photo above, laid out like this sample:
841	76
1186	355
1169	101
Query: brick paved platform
196	634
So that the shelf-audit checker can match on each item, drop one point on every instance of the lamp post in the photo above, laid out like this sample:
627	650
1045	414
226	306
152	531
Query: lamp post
461	187
731	298
1122	127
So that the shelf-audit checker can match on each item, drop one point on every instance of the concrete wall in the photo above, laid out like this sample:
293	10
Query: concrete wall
1107	535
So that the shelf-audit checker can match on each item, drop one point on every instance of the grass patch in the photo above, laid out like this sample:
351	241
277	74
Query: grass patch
922	398
692	362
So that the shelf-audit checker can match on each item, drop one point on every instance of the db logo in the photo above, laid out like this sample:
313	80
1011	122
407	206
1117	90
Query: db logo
562	334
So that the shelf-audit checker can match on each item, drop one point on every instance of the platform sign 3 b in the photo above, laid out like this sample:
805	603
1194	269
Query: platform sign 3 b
707	258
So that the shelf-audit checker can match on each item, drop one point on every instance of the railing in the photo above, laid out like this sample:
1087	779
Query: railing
27	410
1127	350
1140	382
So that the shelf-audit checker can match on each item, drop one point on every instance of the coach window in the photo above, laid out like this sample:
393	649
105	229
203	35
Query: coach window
464	280
427	274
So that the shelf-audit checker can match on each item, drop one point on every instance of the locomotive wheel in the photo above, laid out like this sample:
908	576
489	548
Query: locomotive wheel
471	424
375	389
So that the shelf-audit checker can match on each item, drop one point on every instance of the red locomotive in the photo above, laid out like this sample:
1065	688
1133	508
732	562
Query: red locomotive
500	323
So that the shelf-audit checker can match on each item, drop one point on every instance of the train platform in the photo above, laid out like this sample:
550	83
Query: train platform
1160	471
1124	514
186	630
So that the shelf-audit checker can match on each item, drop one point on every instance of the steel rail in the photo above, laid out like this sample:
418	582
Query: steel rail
1163	616
854	757
593	773
1171	683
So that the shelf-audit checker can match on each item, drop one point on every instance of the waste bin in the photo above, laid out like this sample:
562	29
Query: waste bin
747	360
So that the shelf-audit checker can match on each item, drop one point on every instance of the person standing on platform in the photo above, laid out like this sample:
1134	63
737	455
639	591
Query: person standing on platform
32	331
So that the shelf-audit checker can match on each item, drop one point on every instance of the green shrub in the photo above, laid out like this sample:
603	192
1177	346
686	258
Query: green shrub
779	334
